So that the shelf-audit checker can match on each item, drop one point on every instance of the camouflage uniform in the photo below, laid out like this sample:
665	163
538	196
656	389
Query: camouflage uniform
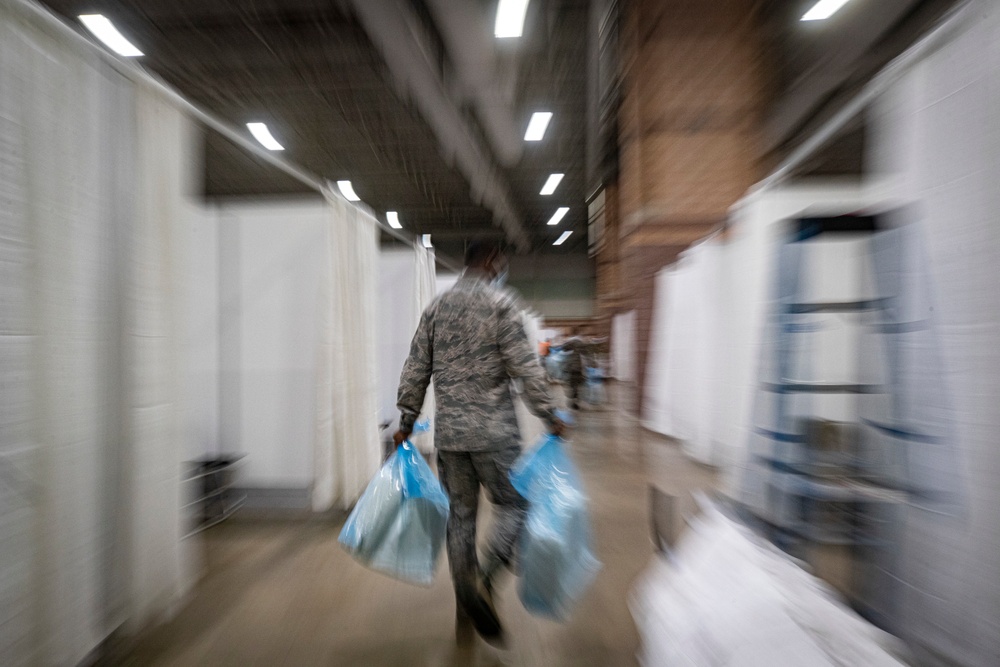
471	340
574	348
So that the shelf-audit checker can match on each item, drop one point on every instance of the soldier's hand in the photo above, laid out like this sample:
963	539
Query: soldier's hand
558	428
400	436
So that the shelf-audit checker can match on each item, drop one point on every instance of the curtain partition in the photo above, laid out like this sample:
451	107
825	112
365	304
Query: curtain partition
623	356
347	450
92	174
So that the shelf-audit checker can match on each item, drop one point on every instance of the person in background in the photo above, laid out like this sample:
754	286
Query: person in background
574	348
472	342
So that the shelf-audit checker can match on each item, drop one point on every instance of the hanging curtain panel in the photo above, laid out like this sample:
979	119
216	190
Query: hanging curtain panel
406	286
153	343
92	176
657	415
347	451
687	363
623	347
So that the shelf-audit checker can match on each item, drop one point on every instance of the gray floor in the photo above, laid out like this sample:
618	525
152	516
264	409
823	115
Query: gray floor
284	593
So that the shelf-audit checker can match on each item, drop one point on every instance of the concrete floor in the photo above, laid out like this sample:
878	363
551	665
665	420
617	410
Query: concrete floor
284	593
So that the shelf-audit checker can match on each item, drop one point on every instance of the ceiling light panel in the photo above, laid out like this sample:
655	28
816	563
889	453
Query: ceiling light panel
823	10
105	30
393	219
264	136
551	184
510	18
558	215
347	190
537	125
562	239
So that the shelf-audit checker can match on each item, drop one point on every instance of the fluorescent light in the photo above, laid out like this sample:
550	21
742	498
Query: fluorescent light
347	190
823	9
426	240
106	31
558	215
551	184
393	219
536	126
264	136
562	239
510	18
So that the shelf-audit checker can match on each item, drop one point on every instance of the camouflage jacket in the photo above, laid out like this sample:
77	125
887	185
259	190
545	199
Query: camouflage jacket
471	340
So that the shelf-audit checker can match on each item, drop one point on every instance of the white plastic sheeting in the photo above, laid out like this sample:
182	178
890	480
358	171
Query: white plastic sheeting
94	170
727	598
623	353
347	451
936	150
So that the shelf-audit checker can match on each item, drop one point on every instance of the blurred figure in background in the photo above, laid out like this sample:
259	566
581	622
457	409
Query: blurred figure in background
471	340
574	348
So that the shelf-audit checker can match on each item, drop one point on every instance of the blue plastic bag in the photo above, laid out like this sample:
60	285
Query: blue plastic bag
557	561
555	364
398	525
594	390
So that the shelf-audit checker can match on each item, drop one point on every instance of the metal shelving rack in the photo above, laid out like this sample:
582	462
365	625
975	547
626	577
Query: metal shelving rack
212	492
810	500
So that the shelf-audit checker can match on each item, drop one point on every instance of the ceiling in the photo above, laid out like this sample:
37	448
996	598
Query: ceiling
816	68
414	101
423	109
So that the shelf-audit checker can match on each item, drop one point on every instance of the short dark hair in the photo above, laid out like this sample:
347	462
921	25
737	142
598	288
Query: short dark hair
480	250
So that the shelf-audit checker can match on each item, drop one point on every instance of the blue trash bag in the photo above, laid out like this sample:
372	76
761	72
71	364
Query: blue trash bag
594	393
398	525
556	558
555	364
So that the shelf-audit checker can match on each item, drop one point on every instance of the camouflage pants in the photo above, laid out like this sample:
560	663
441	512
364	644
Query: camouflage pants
462	473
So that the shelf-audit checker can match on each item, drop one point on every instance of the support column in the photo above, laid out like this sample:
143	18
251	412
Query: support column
689	127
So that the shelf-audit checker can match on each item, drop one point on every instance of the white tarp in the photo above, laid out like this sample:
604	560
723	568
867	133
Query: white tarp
727	598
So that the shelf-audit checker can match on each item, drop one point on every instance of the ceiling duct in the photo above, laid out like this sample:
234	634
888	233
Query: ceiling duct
397	32
468	39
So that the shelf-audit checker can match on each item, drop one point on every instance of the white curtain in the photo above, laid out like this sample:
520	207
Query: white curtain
425	280
687	363
623	347
656	411
347	451
406	287
165	171
91	185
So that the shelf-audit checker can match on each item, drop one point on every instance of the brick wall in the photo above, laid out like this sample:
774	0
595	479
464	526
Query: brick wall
693	90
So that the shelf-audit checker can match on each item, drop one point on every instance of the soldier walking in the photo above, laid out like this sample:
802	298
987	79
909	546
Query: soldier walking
472	342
